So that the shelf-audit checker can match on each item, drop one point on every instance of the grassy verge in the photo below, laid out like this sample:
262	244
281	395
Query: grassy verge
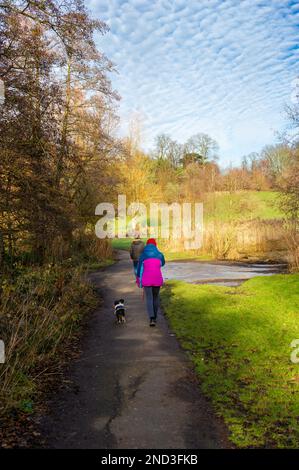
40	312
187	255
239	340
125	243
94	265
122	243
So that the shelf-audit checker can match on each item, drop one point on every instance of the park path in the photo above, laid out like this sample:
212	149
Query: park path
132	386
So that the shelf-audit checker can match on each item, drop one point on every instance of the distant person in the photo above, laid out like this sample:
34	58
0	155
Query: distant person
136	249
149	276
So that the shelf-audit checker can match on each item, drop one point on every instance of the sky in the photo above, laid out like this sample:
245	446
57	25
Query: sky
226	68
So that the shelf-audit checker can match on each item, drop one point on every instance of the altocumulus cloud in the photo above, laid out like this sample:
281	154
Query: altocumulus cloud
222	67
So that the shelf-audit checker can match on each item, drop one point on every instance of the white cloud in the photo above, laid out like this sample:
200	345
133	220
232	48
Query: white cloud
218	66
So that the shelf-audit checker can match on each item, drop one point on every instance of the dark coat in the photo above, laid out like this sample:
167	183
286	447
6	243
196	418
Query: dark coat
136	249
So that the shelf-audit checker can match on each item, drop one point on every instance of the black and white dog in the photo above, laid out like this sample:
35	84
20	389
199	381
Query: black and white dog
119	311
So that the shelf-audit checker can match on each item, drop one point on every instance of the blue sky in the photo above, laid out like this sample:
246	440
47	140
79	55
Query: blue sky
221	67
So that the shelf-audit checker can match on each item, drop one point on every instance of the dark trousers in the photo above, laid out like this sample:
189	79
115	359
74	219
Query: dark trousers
152	300
135	266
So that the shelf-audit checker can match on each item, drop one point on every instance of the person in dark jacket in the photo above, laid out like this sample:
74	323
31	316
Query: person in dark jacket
136	249
149	276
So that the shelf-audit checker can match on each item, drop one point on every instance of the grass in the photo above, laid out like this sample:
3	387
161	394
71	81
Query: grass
223	207
239	340
241	205
125	243
95	265
188	254
40	312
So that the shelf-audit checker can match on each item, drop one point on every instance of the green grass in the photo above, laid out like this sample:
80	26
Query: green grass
187	255
241	205
95	265
125	243
239	340
224	207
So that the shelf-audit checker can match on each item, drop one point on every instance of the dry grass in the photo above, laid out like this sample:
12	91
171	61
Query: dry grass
84	246
259	239
292	242
39	312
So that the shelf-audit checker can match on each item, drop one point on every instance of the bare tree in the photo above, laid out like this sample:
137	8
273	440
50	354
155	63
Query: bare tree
53	123
201	147
168	149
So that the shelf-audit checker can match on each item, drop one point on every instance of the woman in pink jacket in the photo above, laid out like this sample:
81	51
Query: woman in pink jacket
149	277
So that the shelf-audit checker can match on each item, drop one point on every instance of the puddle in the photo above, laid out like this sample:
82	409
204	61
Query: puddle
226	274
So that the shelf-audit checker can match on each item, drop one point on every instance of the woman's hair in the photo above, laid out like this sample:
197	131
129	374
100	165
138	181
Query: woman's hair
151	241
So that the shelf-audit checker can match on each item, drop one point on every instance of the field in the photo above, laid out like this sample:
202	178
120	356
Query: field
241	205
222	207
239	340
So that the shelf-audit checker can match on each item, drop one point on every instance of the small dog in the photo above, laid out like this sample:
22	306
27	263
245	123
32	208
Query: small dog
119	311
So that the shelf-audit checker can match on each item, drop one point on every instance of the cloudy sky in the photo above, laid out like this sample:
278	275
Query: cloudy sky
187	66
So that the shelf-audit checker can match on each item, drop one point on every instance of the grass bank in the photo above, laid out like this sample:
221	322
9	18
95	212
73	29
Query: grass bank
239	341
125	243
226	233
241	205
41	311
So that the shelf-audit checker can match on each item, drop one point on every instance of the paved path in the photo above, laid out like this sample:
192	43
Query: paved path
132	386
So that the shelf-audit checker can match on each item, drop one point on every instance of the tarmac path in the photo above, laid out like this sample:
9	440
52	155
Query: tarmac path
132	386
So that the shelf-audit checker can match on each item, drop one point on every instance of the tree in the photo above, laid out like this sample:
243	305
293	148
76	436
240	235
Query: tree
288	184
55	122
28	128
168	149
276	158
289	187
200	148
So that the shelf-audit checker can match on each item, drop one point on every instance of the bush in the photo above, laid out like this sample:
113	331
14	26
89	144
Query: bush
39	312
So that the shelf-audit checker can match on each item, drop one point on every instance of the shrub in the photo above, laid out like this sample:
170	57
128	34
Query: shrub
39	312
